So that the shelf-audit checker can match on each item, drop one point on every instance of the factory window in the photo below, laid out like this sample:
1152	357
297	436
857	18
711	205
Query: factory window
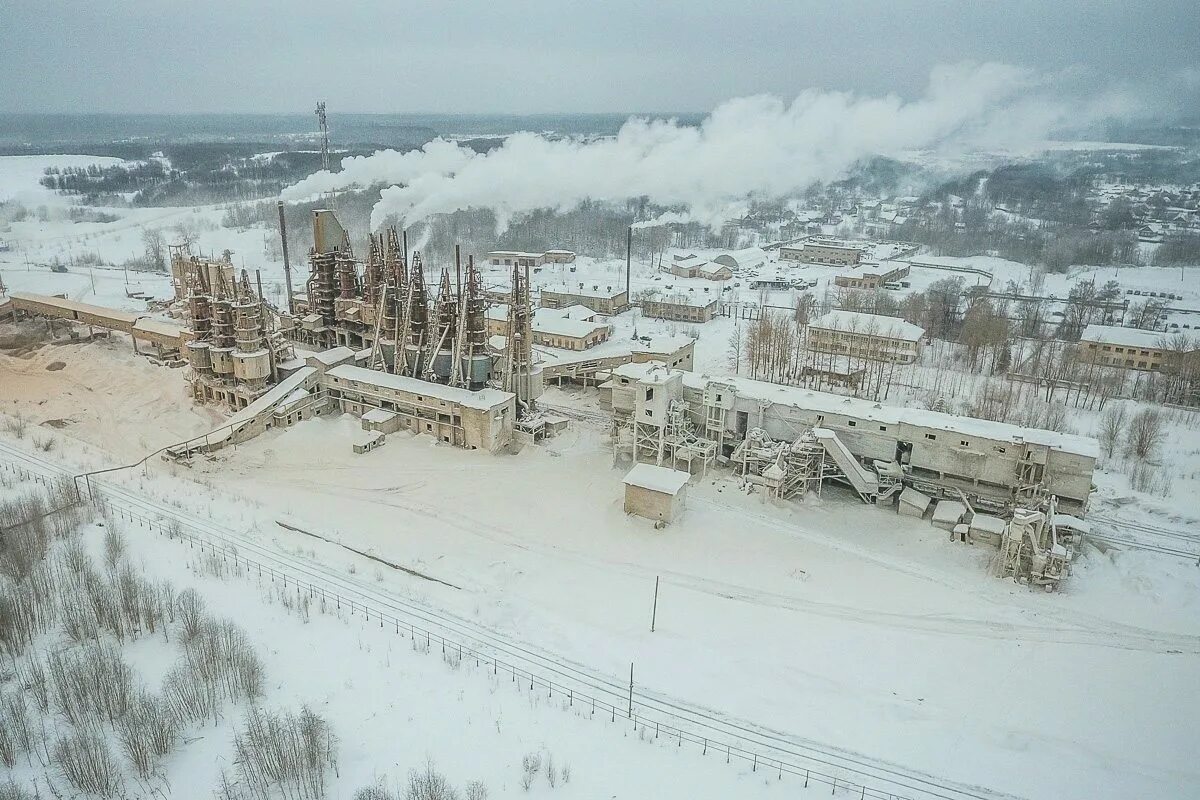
820	417
650	393
964	442
931	436
883	428
1000	450
851	423
428	427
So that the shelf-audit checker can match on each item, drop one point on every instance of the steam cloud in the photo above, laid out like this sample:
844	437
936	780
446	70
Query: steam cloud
750	147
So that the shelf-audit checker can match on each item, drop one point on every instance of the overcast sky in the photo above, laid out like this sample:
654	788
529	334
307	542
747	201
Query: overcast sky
565	55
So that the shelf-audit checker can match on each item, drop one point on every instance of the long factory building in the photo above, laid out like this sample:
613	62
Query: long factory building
993	461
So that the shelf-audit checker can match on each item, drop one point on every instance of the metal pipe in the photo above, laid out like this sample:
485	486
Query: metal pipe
287	265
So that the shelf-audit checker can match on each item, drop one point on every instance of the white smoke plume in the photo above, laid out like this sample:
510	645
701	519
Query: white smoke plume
750	147
668	218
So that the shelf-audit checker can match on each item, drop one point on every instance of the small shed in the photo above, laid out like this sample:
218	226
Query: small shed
947	514
367	441
987	529
655	493
913	503
381	420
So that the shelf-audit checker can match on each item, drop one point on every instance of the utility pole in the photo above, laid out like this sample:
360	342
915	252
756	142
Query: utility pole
654	612
631	690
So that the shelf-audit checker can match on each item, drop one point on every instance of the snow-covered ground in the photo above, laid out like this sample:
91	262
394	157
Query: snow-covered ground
394	702
828	620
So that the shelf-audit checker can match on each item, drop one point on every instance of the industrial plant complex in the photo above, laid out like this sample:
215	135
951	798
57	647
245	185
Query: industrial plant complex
430	352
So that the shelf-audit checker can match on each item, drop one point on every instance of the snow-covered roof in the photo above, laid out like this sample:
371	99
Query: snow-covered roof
334	355
825	403
637	371
948	511
378	415
68	304
987	523
573	312
669	344
159	327
689	299
690	262
513	254
873	324
656	479
483	399
555	325
604	290
1126	337
746	257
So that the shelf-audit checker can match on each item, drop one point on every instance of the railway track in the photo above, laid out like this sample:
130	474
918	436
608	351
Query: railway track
810	761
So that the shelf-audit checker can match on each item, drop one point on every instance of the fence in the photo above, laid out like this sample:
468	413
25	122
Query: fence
808	764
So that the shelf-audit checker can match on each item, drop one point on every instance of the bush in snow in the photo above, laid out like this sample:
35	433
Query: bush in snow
1145	433
282	753
429	784
85	761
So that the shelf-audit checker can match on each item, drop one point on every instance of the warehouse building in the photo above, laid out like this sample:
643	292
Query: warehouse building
680	307
603	299
872	276
835	252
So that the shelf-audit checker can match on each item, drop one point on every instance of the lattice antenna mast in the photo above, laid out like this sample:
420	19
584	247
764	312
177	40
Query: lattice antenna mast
323	121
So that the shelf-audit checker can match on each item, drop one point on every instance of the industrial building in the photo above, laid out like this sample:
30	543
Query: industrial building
150	335
593	367
680	307
865	336
794	438
696	267
1127	348
565	328
517	258
872	276
603	299
836	252
333	382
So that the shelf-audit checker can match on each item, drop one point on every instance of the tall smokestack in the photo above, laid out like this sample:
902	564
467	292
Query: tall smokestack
457	271
628	259
287	265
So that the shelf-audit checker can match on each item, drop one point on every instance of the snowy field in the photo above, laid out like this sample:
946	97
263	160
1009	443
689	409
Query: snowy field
827	621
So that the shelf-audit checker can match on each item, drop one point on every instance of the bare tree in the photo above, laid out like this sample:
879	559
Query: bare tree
1145	433
156	249
1112	426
